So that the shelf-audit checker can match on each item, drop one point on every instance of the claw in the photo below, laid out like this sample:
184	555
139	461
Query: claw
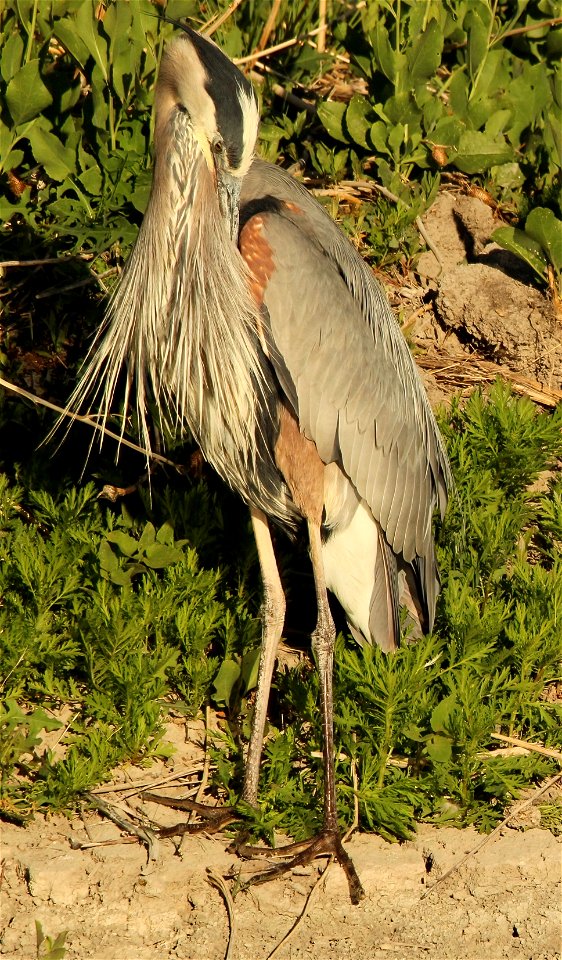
327	843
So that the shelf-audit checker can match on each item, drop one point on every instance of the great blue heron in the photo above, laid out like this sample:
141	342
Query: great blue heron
259	330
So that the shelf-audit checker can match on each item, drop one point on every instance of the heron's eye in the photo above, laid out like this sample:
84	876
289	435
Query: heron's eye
218	146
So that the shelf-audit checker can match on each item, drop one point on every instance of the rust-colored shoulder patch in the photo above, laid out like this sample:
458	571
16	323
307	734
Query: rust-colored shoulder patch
300	464
258	256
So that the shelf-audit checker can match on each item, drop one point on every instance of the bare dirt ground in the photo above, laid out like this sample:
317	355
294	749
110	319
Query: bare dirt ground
83	876
474	315
502	901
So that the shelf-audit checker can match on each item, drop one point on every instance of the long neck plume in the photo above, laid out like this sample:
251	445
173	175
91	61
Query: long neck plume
183	323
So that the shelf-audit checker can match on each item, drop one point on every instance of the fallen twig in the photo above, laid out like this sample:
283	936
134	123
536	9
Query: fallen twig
462	370
528	745
129	791
88	420
45	260
515	811
217	881
124	822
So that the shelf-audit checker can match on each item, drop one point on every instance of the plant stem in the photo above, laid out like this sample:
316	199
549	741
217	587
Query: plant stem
31	32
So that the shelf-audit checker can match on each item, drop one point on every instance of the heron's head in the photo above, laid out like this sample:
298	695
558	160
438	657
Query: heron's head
202	94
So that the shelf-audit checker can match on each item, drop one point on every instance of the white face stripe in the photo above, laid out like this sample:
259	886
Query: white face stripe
250	120
186	79
183	71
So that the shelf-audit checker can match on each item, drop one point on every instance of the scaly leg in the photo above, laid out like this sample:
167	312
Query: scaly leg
273	618
329	840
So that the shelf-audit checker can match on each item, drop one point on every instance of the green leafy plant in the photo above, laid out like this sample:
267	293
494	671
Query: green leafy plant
539	245
49	948
446	88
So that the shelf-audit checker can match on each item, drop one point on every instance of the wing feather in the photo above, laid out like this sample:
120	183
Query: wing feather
357	393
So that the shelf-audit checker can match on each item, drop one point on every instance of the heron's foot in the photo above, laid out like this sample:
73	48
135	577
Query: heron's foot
327	843
209	819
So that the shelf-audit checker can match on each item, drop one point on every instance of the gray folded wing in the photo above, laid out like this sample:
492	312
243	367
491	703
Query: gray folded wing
345	367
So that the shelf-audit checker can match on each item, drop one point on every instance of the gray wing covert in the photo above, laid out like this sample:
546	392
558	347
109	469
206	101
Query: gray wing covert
344	384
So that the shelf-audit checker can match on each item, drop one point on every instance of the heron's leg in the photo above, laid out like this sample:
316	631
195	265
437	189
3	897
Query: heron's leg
273	618
323	640
329	840
213	819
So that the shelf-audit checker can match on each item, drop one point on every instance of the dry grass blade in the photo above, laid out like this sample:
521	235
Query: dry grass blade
527	745
322	10
212	25
269	25
460	372
252	57
514	812
217	881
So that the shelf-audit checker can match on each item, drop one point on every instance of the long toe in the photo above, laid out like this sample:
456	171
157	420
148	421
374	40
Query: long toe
326	844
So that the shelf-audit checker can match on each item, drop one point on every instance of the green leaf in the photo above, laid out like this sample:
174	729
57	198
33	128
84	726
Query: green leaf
442	712
66	31
225	681
477	152
147	538
166	534
331	117
127	545
89	30
12	56
424	57
109	564
384	54
91	180
477	41
517	241
439	748
448	132
250	669
158	555
497	123
26	94
508	175
58	161
546	229
379	136
358	120
117	24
